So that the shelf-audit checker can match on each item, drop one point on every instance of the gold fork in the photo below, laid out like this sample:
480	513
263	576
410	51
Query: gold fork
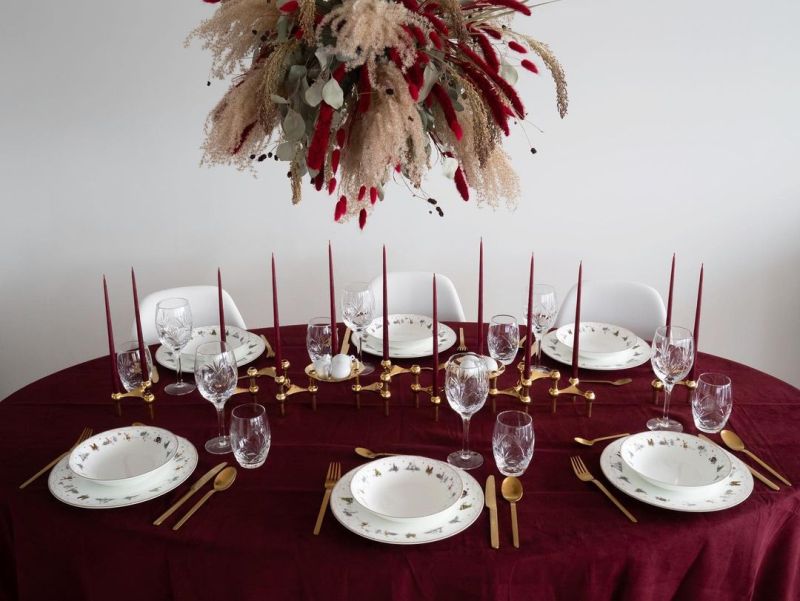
86	433
462	347
583	475
333	475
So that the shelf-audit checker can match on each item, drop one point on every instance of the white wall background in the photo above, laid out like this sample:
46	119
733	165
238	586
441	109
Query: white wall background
683	135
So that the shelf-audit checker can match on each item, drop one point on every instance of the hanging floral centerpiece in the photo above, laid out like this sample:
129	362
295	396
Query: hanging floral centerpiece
352	93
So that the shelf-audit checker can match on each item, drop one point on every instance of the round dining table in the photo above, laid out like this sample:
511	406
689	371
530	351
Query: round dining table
255	540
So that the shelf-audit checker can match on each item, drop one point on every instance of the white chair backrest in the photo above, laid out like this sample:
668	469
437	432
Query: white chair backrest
205	309
411	292
632	305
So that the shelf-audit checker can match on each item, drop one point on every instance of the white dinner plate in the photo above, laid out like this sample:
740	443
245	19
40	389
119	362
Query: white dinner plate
639	355
69	488
405	329
599	340
247	347
725	494
363	522
374	346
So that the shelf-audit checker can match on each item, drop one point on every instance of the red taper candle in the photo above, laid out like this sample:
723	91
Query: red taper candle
222	335
671	288
435	380
334	333
697	323
142	354
275	319
575	337
385	310
528	339
112	351
480	301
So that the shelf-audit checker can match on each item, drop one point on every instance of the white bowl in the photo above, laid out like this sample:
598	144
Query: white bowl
598	340
124	456
407	488
674	460
236	339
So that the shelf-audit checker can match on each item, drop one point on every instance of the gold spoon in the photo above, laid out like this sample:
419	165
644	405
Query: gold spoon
362	452
223	481
590	441
730	438
511	490
620	382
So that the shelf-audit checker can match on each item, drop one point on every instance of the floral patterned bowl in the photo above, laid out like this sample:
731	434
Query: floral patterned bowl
124	456
407	488
674	460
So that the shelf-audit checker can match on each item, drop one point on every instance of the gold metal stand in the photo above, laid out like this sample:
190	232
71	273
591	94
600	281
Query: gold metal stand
521	390
383	386
657	386
143	392
573	390
416	388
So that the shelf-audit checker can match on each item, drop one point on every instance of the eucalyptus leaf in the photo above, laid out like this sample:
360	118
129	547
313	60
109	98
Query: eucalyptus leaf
429	77
380	191
294	127
324	57
286	151
283	28
332	93
509	73
277	99
449	167
313	94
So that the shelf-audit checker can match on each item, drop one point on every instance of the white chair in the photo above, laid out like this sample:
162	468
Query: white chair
412	292
632	305
204	302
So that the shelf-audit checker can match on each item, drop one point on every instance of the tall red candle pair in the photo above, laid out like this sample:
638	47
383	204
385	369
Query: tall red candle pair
435	380
575	334
142	355
334	332
112	351
529	339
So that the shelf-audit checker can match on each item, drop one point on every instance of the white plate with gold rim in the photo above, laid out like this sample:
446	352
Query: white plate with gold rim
69	488
638	355
356	518
723	495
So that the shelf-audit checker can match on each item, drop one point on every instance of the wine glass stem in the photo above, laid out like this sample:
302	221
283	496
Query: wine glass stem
465	442
360	349
667	395
179	379
538	350
221	420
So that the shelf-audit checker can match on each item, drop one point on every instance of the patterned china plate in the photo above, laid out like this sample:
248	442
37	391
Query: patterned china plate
599	339
249	347
723	495
357	519
71	489
374	346
639	355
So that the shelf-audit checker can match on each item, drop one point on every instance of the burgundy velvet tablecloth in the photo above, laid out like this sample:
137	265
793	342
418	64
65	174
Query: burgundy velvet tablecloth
255	541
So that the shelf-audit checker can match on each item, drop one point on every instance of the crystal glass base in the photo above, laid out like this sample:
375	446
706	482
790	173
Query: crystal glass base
178	389
660	423
541	368
366	369
219	445
466	461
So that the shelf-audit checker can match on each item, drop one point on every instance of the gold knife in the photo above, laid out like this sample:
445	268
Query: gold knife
490	499
346	342
195	487
753	471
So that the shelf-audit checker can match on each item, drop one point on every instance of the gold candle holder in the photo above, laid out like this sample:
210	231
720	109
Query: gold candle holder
416	388
521	390
573	390
252	388
657	386
142	392
383	386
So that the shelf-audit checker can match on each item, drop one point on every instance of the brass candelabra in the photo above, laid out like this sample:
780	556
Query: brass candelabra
142	392
574	390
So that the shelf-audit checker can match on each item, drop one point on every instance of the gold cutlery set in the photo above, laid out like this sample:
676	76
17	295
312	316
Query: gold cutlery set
734	443
223	481
331	478
511	490
86	433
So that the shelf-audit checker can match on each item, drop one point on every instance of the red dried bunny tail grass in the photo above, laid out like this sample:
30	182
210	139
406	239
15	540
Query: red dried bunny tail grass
440	25
512	4
488	51
318	181
501	83
341	208
496	105
437	41
416	32
362	219
411	5
340	137
361	192
526	64
289	7
319	142
493	33
373	194
243	137
517	47
335	156
461	184
331	185
364	91
449	111
338	73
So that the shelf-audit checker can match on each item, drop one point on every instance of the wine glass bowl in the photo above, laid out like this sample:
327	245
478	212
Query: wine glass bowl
503	339
358	311
544	313
216	376
174	327
672	358
466	385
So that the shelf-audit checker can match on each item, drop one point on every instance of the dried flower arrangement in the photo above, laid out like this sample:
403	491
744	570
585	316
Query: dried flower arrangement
353	92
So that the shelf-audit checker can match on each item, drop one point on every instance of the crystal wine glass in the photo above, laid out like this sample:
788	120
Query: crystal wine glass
466	384
358	310
129	366
545	310
318	339
512	442
174	327
503	339
215	374
712	402
250	435
672	358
